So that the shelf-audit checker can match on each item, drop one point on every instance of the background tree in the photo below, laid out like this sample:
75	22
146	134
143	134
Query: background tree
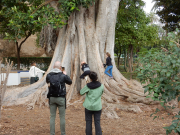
19	22
169	13
133	30
118	51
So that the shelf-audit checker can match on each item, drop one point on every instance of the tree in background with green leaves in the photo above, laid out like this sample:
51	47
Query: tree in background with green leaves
169	13
133	30
160	73
20	20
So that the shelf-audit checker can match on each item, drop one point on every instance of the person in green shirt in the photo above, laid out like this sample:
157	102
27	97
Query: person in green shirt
92	103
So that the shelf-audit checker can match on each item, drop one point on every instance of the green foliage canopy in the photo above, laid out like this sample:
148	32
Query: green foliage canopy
132	25
169	12
18	21
20	18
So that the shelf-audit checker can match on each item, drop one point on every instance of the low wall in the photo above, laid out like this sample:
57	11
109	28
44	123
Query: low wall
15	77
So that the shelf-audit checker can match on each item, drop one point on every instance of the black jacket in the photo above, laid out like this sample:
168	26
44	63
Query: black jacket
93	85
85	66
64	79
108	62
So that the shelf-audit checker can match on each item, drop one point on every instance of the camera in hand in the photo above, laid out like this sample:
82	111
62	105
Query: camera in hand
63	68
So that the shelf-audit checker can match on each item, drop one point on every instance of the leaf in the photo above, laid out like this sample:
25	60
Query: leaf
19	37
154	117
178	129
168	74
151	114
178	98
148	65
146	90
174	124
156	95
177	116
161	79
162	103
72	8
175	121
157	110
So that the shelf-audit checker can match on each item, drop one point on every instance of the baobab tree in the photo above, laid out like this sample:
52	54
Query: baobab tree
88	35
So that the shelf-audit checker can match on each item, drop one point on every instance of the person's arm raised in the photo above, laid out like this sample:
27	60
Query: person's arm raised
67	79
84	90
47	78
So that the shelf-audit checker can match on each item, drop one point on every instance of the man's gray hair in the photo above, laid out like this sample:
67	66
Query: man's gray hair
57	64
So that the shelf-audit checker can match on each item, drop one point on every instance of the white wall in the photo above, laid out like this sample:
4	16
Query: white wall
26	74
15	78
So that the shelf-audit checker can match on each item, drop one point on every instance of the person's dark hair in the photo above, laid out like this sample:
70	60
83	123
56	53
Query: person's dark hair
108	54
33	63
82	63
93	76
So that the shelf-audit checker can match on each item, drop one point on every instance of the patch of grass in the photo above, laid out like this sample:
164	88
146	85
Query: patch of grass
123	71
127	75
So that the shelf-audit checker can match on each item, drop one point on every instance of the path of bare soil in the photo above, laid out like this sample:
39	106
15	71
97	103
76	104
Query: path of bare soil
17	120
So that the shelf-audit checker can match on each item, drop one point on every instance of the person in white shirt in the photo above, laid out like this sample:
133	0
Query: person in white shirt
34	72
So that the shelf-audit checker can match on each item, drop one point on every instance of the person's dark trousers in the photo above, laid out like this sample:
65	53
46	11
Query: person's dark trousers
54	103
32	80
97	117
85	74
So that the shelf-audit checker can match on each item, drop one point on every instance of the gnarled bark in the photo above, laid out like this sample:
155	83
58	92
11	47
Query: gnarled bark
88	35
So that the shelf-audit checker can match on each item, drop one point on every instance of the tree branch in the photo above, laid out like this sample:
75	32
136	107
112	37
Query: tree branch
29	34
45	3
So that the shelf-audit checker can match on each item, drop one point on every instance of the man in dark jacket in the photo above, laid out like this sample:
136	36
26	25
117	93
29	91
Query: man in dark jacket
56	81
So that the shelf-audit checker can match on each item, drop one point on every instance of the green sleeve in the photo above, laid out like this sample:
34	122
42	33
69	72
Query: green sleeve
84	90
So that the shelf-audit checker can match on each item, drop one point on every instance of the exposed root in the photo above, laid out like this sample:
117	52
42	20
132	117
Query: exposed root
78	101
39	97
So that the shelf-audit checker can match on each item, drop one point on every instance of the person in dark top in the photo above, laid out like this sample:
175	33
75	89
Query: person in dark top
85	68
56	81
109	65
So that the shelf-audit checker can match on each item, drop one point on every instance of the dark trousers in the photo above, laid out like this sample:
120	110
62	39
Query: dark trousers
32	80
85	74
97	117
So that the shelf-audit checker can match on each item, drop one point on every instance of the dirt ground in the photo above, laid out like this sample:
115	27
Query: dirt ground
17	120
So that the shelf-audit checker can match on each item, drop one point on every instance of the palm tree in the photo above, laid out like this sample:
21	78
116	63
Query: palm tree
153	17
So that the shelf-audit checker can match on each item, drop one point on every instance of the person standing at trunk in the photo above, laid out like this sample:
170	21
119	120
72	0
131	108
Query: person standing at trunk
109	65
34	73
92	103
56	81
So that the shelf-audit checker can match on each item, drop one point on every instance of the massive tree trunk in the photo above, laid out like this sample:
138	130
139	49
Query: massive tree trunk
88	35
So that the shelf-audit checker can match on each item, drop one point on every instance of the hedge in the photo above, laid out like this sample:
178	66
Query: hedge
42	62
